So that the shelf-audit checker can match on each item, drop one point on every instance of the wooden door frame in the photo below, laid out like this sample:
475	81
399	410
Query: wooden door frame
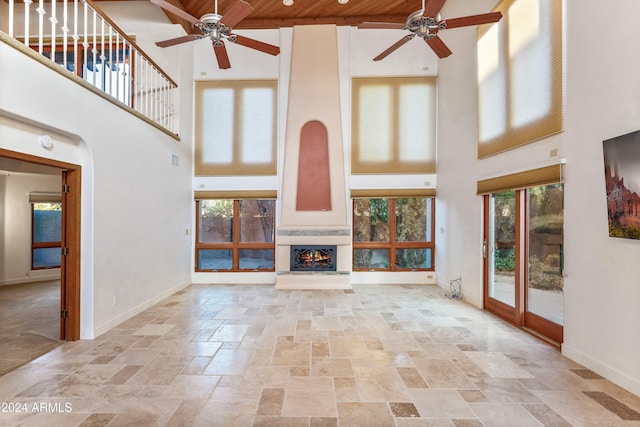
514	314
70	264
518	315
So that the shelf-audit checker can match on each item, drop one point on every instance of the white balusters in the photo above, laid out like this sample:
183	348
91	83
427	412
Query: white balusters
27	4
11	18
100	54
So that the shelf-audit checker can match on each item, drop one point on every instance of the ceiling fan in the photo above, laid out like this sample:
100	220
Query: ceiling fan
426	23
217	28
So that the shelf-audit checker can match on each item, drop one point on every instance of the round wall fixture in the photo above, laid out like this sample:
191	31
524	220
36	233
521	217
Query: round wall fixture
46	142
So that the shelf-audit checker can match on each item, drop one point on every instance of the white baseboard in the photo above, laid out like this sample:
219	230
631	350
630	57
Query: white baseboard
54	275
99	330
612	374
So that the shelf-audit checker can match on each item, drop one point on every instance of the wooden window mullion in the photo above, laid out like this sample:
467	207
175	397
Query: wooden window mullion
236	235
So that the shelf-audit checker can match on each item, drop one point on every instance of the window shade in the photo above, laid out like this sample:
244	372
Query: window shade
392	192
393	125
517	181
45	197
236	195
520	75
235	129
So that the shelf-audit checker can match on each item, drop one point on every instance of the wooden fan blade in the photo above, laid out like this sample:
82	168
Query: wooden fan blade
394	46
381	25
256	44
175	10
178	40
432	8
239	11
221	55
438	47
466	21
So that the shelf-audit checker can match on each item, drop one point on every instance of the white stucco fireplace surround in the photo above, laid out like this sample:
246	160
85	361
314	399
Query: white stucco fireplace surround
314	95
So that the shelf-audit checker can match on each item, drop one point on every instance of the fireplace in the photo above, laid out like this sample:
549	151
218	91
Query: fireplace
311	218
313	258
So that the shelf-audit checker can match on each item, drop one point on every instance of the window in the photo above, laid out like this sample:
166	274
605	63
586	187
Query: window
235	127
394	125
520	75
235	235
393	234
46	235
108	67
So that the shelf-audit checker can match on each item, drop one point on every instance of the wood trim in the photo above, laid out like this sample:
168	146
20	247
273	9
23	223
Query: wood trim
518	316
543	326
521	260
499	308
70	279
392	244
235	246
72	269
270	23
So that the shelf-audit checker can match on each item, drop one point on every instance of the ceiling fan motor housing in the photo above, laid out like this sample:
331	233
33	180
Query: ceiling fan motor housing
422	26
211	21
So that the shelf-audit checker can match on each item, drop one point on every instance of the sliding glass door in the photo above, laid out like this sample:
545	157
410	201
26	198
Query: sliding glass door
523	253
545	239
501	244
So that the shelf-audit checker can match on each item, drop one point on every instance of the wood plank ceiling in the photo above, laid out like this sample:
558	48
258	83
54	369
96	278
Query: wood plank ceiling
274	14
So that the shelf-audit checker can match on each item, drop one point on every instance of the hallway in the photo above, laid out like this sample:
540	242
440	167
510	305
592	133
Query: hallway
250	355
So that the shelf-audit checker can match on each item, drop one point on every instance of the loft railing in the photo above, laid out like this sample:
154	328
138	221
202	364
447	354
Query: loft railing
79	37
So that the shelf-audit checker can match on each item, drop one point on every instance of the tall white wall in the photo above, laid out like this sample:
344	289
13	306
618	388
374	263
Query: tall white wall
602	291
16	238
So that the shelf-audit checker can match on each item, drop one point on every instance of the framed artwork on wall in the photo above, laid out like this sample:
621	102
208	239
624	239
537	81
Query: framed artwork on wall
622	180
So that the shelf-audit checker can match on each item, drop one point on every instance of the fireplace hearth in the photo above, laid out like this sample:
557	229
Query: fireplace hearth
313	258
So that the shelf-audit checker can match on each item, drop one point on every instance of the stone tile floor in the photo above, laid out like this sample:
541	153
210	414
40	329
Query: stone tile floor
29	325
250	355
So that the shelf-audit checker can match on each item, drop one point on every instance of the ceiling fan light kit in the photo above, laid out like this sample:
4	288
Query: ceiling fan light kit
426	23
218	29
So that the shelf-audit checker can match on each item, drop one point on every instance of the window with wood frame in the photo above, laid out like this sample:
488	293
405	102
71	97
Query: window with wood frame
520	75
46	226
393	125
393	234
235	235
235	128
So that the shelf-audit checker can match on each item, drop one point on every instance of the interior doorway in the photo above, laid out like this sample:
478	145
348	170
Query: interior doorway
523	258
69	283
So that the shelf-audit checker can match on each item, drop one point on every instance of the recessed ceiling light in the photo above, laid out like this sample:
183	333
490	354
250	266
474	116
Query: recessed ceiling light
287	2
343	1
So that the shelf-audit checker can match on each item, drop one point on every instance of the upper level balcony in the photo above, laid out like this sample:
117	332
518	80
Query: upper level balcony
76	38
